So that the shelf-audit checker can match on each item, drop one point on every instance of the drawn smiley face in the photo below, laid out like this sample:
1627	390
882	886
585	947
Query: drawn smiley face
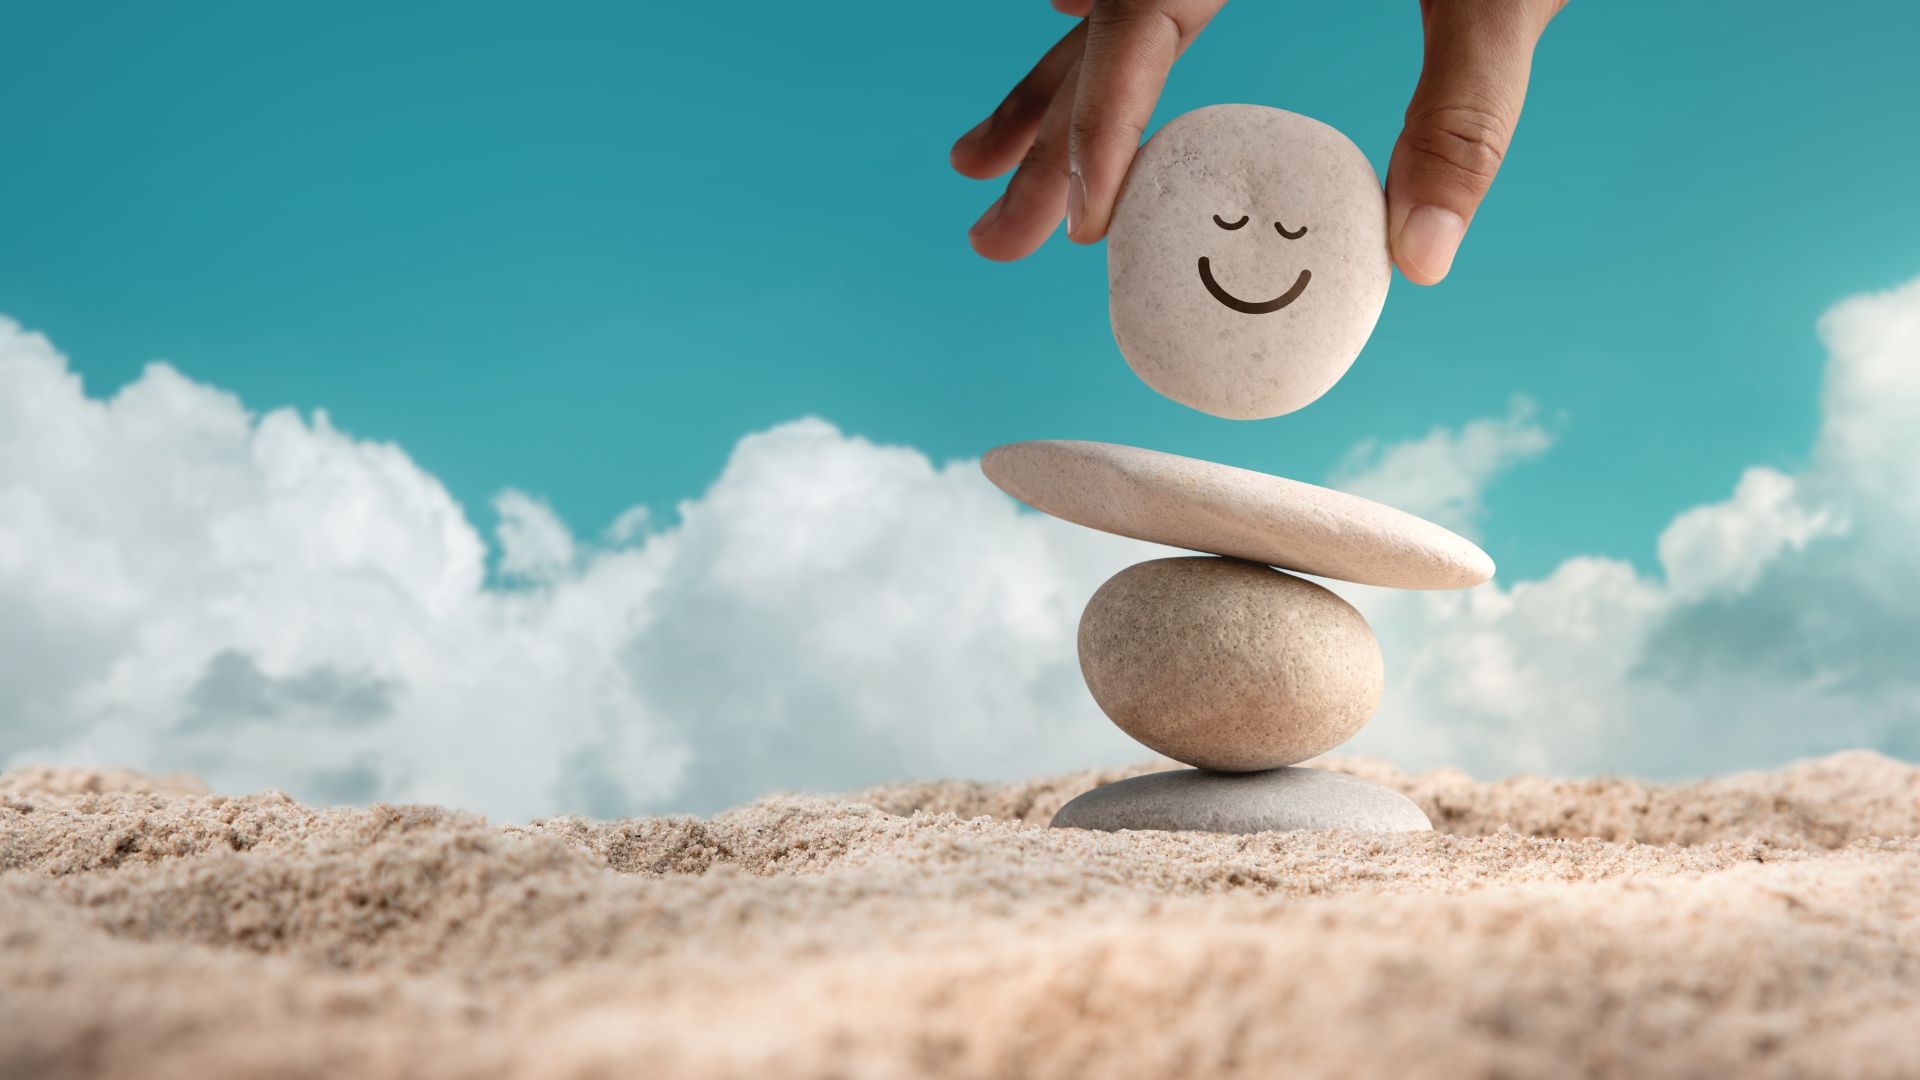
1276	215
1251	307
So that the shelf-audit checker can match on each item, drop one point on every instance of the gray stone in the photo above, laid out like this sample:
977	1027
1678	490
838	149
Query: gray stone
1202	801
1227	664
1188	503
1247	260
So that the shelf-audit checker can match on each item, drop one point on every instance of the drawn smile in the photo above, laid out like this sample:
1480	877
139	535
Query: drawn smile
1247	307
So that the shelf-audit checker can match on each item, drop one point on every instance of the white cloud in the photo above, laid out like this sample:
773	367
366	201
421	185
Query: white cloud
1724	548
271	602
1785	622
534	543
1442	475
631	525
268	601
837	612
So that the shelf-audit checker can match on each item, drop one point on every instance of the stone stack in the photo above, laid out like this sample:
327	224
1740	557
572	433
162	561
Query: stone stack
1228	661
1223	661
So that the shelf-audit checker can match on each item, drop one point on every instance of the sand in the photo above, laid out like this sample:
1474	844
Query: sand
1757	925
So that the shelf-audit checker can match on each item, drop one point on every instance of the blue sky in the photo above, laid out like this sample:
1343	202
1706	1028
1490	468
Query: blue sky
540	268
581	251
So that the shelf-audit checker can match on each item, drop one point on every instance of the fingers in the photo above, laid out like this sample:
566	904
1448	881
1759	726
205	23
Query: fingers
1130	46
1076	8
1459	124
997	143
1021	219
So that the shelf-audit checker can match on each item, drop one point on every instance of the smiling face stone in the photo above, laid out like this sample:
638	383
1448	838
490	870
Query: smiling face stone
1247	260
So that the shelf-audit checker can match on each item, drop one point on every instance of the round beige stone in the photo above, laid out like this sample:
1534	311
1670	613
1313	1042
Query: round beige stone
1247	260
1228	665
1273	801
1198	505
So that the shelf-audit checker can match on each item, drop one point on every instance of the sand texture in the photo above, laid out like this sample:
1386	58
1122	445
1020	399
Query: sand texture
1754	926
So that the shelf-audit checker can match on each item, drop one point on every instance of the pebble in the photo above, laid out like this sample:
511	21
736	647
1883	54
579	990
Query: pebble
1247	260
1198	505
1201	801
1227	664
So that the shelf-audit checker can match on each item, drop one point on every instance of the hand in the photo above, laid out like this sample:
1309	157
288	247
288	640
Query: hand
1073	124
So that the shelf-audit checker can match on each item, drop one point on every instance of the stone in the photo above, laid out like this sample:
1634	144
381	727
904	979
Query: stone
1198	505
1200	801
1228	665
1247	260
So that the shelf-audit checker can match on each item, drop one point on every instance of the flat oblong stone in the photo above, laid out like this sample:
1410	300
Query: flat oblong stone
1200	801
1247	260
1199	505
1228	665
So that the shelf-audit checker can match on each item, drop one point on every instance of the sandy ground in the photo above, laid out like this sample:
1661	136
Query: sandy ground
1757	925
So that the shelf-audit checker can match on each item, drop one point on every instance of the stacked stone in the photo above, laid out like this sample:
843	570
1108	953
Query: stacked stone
1225	662
1229	662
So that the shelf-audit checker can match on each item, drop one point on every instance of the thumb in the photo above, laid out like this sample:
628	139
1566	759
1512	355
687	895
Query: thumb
1461	119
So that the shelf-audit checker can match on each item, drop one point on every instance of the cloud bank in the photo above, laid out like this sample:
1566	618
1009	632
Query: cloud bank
1785	621
268	601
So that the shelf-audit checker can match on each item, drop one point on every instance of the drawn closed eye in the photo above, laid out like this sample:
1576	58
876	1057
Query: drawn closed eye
1222	222
1283	231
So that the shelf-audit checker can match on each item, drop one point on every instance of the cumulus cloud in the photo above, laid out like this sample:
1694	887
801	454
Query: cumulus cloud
1724	548
534	543
268	601
1441	475
1784	622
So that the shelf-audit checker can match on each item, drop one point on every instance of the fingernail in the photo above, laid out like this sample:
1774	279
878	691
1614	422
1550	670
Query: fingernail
1428	240
1076	201
992	214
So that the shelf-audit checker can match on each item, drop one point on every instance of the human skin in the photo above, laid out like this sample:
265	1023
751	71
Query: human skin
1070	128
